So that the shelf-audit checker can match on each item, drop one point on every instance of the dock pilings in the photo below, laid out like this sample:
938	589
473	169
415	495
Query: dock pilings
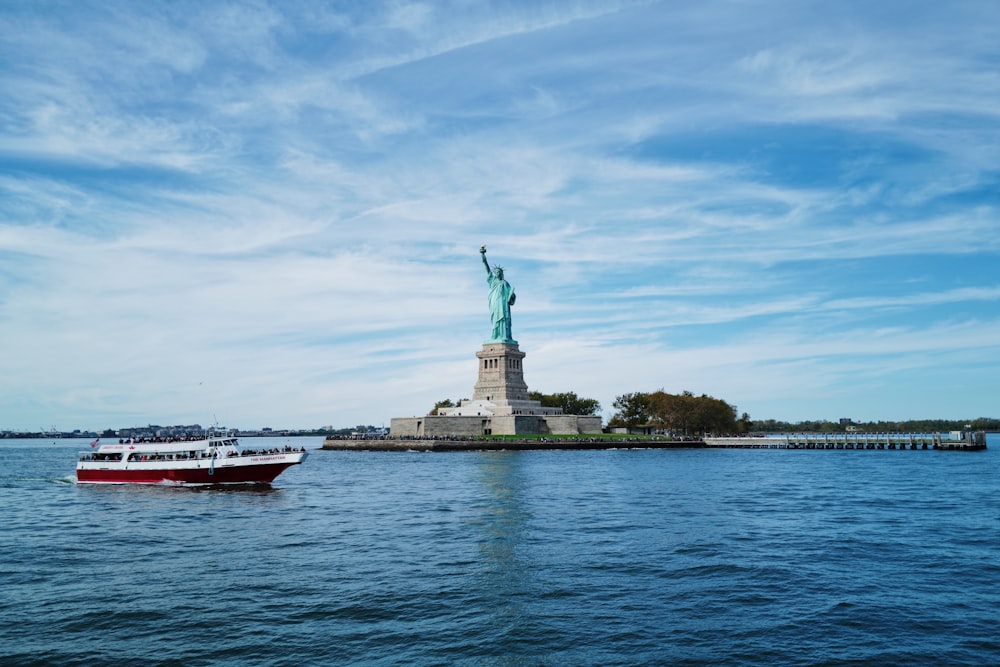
957	441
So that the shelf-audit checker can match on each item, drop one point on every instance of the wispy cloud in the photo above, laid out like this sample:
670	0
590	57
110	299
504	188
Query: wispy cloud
271	213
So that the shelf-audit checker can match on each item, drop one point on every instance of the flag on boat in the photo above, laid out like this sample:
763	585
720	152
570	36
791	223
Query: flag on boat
95	443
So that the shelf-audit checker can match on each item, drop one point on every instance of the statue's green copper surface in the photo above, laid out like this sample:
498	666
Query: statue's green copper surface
501	299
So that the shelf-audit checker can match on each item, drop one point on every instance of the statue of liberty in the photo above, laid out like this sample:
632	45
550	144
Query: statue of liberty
501	299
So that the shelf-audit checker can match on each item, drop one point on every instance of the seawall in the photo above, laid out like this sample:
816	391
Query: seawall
959	441
475	445
965	441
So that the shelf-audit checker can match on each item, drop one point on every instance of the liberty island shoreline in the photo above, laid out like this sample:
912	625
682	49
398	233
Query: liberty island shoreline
502	443
954	441
504	414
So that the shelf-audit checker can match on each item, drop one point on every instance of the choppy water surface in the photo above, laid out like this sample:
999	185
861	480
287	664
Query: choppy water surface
685	557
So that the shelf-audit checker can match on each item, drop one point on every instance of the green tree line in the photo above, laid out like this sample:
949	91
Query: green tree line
682	413
688	414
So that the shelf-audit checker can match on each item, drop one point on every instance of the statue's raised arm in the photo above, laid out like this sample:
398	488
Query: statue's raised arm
482	253
501	299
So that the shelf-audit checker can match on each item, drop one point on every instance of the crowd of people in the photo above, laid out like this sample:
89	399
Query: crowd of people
189	455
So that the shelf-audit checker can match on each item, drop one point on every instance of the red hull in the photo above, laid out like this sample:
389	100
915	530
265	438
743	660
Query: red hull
254	474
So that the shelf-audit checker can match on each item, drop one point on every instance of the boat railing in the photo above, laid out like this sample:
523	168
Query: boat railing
188	455
287	449
100	456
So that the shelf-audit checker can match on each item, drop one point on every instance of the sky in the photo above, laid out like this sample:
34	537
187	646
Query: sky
269	214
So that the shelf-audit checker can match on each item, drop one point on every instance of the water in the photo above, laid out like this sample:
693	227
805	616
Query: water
686	557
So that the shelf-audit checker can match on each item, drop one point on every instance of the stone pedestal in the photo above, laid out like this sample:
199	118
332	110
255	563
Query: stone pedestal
499	405
500	390
501	376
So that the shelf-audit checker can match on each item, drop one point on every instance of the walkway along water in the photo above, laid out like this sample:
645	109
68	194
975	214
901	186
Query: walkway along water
955	441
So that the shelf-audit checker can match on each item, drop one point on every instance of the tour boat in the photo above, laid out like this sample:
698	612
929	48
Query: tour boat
211	460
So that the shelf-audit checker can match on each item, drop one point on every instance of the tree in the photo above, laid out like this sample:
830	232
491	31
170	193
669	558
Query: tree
446	403
715	415
743	424
633	410
570	403
683	412
677	412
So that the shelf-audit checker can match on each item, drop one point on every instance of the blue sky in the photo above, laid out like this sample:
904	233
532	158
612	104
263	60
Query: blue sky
269	214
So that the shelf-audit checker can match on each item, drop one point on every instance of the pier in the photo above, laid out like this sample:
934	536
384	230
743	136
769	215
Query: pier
955	441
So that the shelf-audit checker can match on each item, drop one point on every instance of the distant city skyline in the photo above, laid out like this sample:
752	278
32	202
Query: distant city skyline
164	431
259	213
